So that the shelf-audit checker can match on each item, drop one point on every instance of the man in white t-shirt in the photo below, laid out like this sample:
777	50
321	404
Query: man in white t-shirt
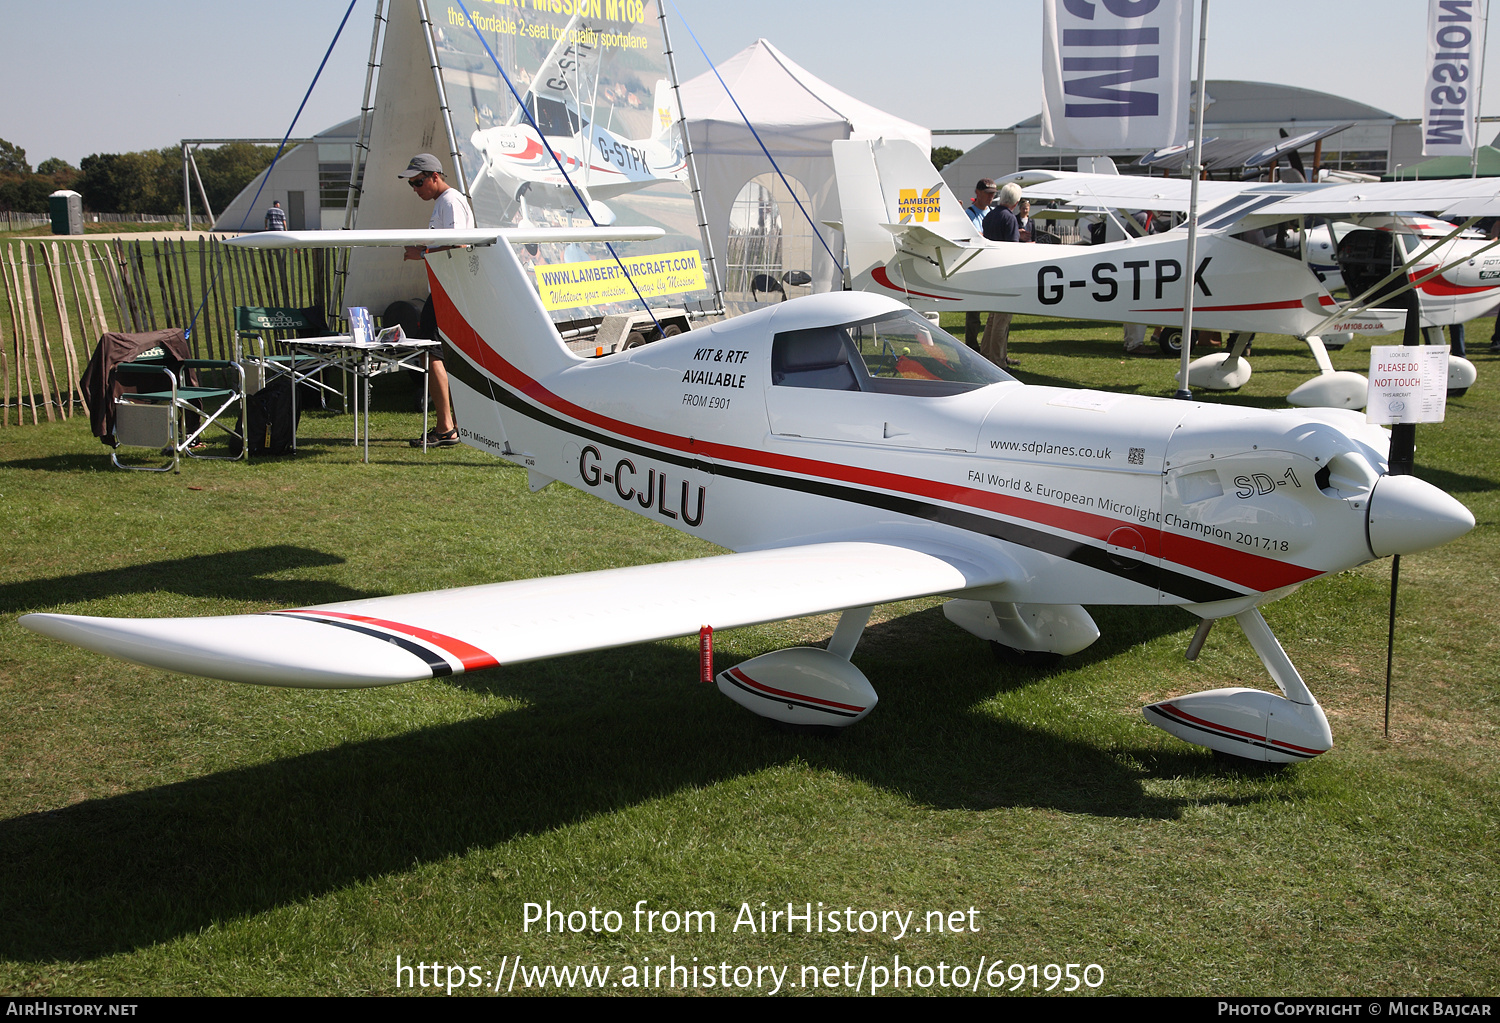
449	210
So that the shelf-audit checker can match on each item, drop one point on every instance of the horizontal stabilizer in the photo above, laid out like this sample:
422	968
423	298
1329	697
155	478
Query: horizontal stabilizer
434	238
404	638
915	234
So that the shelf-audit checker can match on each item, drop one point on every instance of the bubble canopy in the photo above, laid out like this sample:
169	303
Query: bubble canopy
894	353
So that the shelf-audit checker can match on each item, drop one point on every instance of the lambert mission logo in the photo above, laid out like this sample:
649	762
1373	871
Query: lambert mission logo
918	206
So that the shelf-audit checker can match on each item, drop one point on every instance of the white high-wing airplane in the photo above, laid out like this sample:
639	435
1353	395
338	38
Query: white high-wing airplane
851	454
1464	287
562	99
908	237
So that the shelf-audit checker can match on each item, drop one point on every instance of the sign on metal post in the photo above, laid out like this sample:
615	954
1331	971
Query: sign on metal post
1408	384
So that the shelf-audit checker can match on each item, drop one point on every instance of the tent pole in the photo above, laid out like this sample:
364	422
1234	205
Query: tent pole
1479	93
1189	271
442	94
202	192
356	166
692	166
187	195
361	148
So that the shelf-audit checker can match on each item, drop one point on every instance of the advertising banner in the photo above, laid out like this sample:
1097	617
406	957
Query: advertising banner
599	281
1455	64
1115	73
593	76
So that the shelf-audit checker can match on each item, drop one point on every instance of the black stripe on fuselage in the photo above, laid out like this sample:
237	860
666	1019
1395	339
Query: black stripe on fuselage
436	662
1197	591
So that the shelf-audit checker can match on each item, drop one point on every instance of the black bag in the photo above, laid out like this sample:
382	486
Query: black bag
270	413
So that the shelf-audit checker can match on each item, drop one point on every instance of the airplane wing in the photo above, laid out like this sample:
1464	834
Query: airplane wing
1459	196
404	638
1132	192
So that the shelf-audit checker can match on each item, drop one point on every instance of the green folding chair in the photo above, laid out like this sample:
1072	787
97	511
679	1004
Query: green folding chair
173	420
252	323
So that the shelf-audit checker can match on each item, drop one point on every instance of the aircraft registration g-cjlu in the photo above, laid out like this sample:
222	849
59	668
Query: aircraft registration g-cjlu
851	454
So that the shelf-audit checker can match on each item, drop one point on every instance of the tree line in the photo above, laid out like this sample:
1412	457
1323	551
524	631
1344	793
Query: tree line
149	181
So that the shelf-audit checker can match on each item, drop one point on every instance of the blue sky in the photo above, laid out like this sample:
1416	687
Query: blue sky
113	77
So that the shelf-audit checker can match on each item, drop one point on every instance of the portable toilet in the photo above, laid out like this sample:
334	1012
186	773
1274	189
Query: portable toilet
66	207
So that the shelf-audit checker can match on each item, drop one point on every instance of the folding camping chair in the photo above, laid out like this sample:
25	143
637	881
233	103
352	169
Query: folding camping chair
261	364
173	420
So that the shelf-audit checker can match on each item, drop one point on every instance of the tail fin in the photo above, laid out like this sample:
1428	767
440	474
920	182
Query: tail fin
665	112
885	186
486	306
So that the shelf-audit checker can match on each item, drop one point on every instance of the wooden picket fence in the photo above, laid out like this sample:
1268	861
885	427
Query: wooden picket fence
61	296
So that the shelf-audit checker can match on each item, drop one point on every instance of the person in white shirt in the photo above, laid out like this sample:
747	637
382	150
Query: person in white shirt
449	210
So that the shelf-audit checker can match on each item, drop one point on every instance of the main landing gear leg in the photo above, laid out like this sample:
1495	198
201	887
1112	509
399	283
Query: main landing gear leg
850	628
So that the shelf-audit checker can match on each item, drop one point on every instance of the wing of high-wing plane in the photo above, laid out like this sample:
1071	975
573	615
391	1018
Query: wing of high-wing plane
1277	201
385	640
1132	192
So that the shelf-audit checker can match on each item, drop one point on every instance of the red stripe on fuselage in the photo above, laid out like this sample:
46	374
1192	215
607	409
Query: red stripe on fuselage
1244	569
884	280
1290	303
1440	285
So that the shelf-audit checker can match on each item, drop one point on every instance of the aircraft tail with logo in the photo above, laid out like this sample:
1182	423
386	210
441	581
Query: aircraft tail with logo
664	113
892	197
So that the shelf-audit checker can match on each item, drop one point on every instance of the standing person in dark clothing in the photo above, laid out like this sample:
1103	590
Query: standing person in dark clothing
984	195
1001	225
276	218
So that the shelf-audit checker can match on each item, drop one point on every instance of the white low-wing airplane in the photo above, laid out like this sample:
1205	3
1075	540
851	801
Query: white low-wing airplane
909	237
852	454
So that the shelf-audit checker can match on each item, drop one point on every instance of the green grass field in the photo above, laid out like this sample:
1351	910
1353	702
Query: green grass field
169	835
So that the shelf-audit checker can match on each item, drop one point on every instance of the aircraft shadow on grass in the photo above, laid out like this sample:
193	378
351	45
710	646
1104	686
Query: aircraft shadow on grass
598	733
231	575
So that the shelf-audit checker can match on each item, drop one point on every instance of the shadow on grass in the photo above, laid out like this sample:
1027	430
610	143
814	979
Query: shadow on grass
1456	482
599	733
233	575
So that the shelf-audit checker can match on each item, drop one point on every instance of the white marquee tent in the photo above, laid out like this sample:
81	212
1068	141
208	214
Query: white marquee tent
797	116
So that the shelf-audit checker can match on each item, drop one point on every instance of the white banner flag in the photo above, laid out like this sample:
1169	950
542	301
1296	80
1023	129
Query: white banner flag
1115	73
1455	61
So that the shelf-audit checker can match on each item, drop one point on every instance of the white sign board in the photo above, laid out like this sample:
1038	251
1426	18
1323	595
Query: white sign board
1408	384
1115	73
